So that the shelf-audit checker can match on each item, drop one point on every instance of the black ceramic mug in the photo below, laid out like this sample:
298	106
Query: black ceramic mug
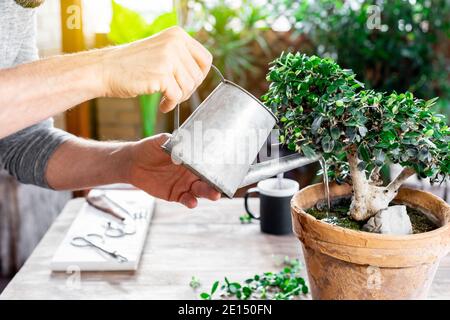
275	204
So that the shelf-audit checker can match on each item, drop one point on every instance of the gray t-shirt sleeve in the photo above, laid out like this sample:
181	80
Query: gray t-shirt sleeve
28	48
25	154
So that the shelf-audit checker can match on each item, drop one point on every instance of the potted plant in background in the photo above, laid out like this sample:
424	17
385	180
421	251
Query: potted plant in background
323	109
234	35
127	26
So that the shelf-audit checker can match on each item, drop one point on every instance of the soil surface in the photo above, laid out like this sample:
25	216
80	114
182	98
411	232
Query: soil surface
338	216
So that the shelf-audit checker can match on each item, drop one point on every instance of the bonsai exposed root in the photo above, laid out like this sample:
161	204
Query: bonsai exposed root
368	199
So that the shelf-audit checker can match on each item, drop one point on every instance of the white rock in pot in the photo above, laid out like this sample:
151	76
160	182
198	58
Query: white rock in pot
393	220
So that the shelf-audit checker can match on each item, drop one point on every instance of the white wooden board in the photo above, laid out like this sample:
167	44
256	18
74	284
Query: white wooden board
92	221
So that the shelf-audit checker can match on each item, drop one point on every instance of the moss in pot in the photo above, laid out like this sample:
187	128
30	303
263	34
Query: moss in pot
324	110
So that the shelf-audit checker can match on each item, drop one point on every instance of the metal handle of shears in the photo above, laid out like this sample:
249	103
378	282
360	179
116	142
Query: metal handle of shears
86	242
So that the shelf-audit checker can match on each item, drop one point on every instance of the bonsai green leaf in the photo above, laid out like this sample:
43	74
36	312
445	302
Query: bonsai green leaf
362	166
362	131
327	144
245	218
247	292
234	287
205	296
214	287
308	152
291	146
364	153
335	133
339	111
379	157
316	124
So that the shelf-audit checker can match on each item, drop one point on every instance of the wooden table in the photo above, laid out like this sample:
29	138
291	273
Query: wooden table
208	242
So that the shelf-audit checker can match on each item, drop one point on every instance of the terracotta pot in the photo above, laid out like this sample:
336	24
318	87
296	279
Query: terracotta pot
348	264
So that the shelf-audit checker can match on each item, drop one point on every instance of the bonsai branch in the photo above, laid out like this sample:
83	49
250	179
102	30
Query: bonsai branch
375	177
400	179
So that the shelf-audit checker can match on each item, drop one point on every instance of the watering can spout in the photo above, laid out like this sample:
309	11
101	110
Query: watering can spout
267	169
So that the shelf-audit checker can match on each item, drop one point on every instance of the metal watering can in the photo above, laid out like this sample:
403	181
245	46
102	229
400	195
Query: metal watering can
223	136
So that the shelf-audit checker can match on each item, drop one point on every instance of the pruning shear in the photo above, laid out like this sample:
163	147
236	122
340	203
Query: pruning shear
92	240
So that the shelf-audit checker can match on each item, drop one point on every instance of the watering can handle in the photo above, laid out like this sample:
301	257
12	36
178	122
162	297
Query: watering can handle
177	117
222	78
177	108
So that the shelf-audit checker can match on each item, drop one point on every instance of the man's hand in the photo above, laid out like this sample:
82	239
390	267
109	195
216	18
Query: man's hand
171	62
152	170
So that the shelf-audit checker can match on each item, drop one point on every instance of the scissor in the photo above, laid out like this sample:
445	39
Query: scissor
89	241
115	230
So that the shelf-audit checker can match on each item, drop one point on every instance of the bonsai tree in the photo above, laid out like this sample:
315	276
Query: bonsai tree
324	110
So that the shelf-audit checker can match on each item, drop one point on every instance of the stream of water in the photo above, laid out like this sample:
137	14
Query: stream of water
326	185
280	180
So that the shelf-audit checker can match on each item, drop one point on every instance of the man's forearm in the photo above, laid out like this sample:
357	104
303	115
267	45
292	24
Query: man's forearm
171	62
78	164
40	89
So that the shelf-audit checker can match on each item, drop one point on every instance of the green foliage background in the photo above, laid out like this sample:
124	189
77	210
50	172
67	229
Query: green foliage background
407	53
128	26
229	33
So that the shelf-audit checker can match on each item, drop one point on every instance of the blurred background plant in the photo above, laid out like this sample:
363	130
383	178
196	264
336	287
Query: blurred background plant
128	26
391	45
231	34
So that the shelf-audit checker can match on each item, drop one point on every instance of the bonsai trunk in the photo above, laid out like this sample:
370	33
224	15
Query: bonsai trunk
368	198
